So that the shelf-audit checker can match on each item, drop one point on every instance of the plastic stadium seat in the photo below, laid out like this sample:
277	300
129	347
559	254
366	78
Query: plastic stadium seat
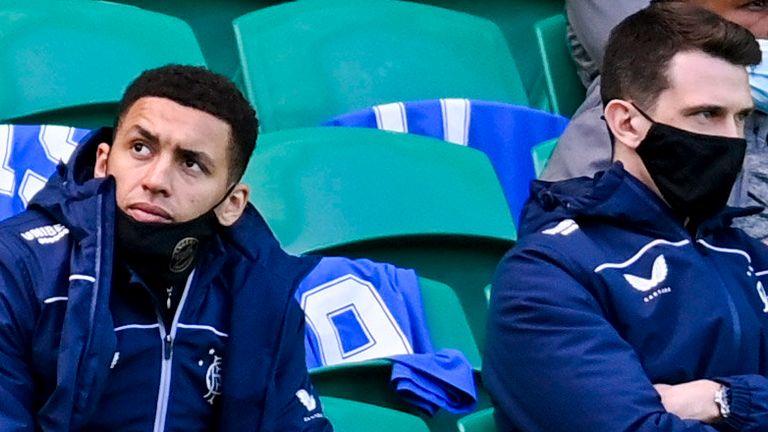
353	416
369	381
409	200
516	19
504	132
480	421
307	61
565	90
211	20
68	61
541	153
448	327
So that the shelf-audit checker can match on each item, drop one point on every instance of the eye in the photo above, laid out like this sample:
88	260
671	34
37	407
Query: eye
141	149
191	163
756	5
706	115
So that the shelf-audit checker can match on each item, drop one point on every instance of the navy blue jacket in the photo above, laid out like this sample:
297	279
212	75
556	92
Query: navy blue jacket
59	337
607	294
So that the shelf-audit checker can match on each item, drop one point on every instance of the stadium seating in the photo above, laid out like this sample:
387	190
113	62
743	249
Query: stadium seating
369	381
504	132
516	19
211	21
480	421
540	153
68	61
307	61
412	201
564	89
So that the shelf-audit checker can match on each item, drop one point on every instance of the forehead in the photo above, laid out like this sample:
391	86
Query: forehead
177	125
696	78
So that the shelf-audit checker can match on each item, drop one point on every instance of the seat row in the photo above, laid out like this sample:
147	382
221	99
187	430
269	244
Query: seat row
302	62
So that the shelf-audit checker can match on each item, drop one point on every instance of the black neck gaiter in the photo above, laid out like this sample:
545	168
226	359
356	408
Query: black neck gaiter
163	254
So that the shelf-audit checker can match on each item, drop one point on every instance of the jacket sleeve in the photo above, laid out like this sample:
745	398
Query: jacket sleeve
16	321
554	363
749	393
296	404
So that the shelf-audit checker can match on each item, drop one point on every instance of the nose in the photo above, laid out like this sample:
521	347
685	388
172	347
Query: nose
157	177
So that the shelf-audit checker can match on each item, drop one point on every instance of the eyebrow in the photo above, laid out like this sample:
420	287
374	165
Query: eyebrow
204	158
149	136
719	109
205	161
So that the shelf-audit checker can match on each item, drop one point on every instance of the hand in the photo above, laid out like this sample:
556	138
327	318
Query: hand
693	400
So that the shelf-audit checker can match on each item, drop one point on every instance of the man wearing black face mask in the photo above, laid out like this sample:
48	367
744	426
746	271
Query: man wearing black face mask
630	303
141	291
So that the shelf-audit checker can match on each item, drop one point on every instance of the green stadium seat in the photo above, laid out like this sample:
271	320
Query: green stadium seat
480	421
564	88
368	381
541	153
354	416
211	21
516	19
448	327
68	61
413	201
308	61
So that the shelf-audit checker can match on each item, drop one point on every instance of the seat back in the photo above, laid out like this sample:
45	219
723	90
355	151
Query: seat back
480	421
541	153
413	201
211	21
564	89
516	19
307	61
68	61
448	326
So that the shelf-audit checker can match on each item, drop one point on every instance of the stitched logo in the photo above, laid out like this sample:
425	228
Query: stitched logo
306	399
47	234
763	296
564	228
212	377
658	275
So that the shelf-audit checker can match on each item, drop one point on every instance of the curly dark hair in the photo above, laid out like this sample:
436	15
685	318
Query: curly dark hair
199	88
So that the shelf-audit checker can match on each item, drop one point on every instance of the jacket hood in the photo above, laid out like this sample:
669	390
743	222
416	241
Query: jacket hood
68	192
613	194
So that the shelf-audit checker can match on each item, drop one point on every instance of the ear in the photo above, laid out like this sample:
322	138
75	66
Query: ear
628	126
102	155
230	210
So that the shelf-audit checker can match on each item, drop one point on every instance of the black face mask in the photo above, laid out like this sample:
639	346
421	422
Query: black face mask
164	254
694	173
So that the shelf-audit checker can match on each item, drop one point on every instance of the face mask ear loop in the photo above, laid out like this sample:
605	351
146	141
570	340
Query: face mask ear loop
643	113
226	195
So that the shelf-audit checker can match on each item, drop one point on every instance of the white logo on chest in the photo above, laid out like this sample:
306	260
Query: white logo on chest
658	275
212	377
47	234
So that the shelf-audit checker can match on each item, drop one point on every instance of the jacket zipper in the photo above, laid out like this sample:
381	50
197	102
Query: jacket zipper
164	389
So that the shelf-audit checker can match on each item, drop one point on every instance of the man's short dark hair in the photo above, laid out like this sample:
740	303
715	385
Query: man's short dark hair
198	88
641	47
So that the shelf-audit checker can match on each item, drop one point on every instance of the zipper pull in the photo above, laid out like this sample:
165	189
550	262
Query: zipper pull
167	347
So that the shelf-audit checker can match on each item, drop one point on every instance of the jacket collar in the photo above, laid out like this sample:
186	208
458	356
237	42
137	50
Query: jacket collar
613	195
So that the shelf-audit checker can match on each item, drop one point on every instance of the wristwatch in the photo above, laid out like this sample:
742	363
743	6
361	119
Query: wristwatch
722	400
